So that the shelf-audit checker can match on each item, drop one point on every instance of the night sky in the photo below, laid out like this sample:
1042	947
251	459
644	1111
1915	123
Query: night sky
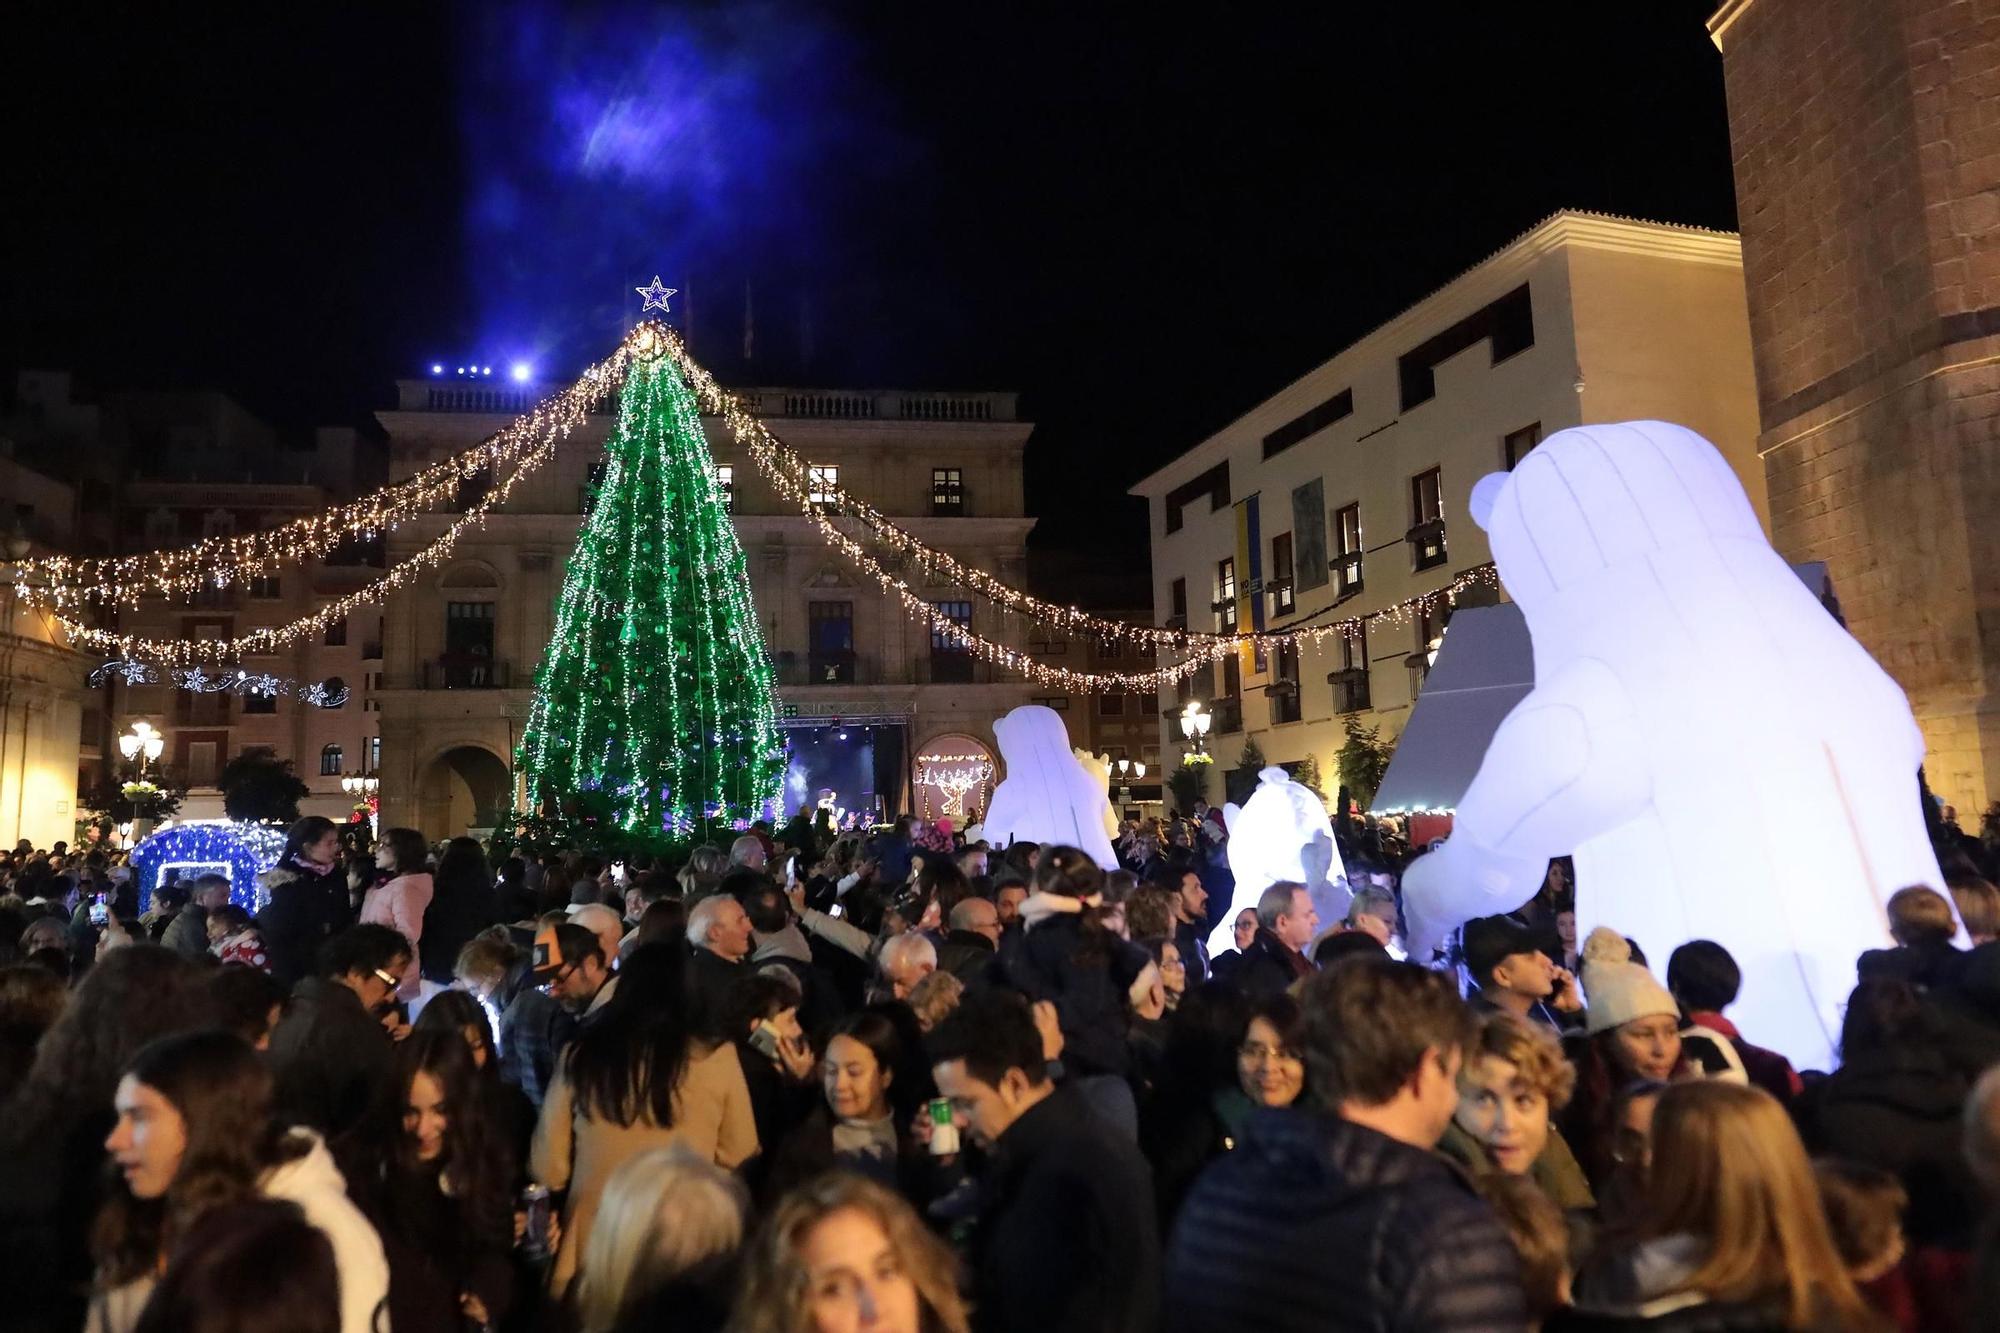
1144	226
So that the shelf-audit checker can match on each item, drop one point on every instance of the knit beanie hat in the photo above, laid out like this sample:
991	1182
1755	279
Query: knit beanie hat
1617	990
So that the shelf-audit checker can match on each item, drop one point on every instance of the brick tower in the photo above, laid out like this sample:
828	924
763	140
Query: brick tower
1866	138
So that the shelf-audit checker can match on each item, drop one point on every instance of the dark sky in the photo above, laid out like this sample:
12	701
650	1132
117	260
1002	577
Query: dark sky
1143	225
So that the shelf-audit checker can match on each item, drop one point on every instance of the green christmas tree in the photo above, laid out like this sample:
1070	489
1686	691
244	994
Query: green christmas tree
654	708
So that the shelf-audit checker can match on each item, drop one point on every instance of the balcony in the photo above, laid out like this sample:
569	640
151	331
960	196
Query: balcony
1346	568
1426	544
1350	690
1283	696
835	667
371	652
952	669
201	710
468	671
1228	713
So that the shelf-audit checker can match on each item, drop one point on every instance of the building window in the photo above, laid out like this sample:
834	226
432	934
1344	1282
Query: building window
218	523
1311	423
1517	444
1347	550
1281	574
329	761
725	482
1284	691
200	766
336	633
830	636
1426	535
468	645
1056	703
1509	323
1350	683
162	528
947	492
265	586
374	754
1049	646
823	483
1111	705
1177	603
1212	485
951	658
1225	596
255	704
1110	649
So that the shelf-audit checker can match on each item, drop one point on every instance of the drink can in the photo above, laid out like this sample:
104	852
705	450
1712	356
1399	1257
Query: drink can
944	1130
535	1237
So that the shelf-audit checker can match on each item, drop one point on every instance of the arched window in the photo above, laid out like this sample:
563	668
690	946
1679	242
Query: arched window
329	761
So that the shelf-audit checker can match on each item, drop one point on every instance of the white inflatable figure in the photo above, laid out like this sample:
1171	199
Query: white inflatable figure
1281	833
1722	758
1099	768
1046	797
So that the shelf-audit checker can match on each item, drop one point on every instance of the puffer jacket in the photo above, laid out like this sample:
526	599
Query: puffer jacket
400	905
1314	1223
303	907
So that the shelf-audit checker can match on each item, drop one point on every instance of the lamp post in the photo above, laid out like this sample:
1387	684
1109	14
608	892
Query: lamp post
1194	726
143	743
1128	772
364	786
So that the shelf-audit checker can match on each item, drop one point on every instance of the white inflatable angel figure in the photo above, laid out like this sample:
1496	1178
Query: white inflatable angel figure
1722	758
1046	797
1281	833
1099	768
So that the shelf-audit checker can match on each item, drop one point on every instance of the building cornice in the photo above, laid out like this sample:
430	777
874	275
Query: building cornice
1569	228
1721	20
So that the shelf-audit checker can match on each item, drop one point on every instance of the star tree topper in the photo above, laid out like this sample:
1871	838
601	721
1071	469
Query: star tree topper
656	296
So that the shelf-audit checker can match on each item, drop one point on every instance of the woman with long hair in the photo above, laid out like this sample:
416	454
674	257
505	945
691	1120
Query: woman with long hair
252	1267
507	1107
1734	1222
463	903
402	901
435	1175
304	898
636	1077
856	1126
663	1252
52	1129
194	1132
842	1253
1071	957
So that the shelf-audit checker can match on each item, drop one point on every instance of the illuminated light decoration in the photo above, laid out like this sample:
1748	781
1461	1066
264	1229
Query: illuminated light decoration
656	694
1046	797
240	681
521	372
656	296
1280	833
954	777
436	369
1681	670
236	850
63	582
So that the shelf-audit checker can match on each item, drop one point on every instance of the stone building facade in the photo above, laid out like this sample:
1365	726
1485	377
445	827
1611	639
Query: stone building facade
1866	138
861	683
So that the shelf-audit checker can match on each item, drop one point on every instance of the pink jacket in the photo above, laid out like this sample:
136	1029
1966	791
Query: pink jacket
400	905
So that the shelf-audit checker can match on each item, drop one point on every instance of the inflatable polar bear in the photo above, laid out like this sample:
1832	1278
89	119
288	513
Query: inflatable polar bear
1280	833
1722	758
1099	768
1046	797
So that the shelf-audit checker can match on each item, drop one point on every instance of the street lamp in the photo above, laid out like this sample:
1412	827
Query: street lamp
364	786
142	739
1128	773
1194	726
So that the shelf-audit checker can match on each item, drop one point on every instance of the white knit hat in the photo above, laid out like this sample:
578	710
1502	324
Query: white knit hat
1617	990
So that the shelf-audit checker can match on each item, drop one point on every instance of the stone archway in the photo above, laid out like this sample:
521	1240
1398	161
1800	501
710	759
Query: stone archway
464	787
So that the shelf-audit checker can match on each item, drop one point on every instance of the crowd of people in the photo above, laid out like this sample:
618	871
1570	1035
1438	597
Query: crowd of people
899	1080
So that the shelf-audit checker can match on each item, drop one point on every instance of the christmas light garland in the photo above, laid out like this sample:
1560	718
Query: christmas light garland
240	681
218	562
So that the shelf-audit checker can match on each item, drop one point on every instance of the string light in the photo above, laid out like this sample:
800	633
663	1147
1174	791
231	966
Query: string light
223	561
197	681
237	850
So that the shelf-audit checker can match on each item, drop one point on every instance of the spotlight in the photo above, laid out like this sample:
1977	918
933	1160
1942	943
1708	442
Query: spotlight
521	372
436	369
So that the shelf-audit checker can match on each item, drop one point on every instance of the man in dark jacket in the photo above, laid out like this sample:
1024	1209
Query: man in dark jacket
1349	1220
1191	925
777	941
330	1052
1286	923
187	933
971	947
1065	1237
719	934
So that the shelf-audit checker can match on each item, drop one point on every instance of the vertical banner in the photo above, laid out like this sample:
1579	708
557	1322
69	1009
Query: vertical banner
1249	581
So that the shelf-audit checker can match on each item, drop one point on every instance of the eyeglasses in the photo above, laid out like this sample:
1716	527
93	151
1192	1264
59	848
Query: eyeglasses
392	982
550	986
1256	1052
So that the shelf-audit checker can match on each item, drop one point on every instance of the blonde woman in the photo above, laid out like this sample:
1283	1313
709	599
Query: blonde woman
663	1251
1731	1220
842	1253
1513	1080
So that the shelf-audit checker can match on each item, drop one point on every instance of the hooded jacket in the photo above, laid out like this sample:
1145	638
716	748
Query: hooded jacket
1315	1223
303	907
